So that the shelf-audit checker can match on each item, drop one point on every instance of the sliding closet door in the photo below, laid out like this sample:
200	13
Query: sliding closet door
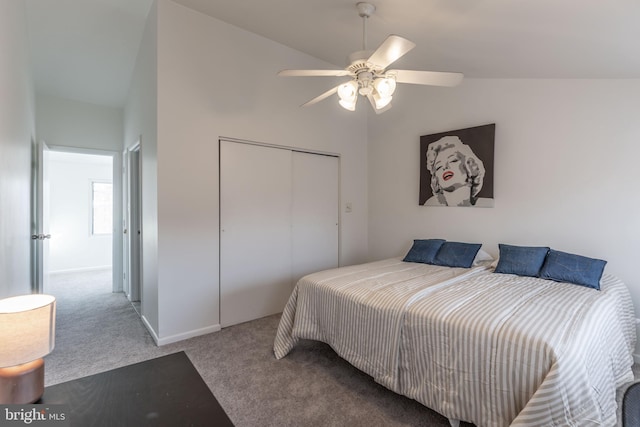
315	213
255	231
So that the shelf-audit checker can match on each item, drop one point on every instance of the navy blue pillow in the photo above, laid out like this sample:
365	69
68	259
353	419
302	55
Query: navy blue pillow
521	260
456	254
580	270
423	251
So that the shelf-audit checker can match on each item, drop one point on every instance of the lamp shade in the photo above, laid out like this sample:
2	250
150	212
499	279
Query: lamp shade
27	328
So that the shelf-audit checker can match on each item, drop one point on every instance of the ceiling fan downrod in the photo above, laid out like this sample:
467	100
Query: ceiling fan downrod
365	10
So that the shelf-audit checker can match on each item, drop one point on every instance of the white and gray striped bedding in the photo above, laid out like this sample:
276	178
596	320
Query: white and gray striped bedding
370	298
492	349
502	350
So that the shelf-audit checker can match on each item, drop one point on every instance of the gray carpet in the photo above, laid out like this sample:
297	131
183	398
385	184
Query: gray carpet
98	330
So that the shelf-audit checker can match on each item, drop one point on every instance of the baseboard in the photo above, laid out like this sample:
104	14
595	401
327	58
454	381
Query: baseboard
178	337
82	270
147	325
186	335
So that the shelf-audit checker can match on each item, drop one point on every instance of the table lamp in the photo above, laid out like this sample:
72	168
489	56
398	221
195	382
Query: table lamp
27	334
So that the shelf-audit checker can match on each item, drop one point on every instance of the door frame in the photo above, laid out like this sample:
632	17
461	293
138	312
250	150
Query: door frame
132	220
116	255
39	218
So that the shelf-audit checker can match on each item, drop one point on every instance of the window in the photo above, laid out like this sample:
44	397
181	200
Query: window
101	208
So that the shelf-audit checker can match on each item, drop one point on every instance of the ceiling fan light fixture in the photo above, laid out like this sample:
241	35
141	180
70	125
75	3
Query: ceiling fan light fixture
365	90
385	86
381	101
348	105
348	92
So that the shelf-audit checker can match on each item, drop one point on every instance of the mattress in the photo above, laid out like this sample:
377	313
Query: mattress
492	349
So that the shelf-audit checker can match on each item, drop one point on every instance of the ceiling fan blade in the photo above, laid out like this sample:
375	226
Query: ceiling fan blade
314	73
390	50
321	97
433	78
372	101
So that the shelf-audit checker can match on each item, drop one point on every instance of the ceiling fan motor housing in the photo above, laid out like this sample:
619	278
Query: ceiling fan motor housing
358	61
362	70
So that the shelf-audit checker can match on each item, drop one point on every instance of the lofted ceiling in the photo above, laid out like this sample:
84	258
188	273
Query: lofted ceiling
85	49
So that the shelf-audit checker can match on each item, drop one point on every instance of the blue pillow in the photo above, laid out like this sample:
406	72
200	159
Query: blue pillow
423	251
456	254
580	270
521	260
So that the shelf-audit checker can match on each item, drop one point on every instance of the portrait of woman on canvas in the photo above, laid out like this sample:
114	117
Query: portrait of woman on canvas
456	174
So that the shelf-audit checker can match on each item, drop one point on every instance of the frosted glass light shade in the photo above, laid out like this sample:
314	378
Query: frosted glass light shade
382	102
348	92
385	87
348	105
27	328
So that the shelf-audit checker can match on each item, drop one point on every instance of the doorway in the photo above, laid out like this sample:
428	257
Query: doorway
78	211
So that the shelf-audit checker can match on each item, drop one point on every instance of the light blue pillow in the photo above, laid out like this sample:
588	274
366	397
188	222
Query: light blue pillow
521	260
456	254
580	270
423	251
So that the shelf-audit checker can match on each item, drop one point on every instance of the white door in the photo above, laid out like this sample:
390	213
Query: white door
133	236
40	235
126	287
315	213
255	231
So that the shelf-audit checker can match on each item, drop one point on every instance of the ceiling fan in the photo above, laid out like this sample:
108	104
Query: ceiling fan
370	78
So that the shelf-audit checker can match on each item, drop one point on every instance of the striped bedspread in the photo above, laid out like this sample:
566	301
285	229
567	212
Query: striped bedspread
492	349
359	311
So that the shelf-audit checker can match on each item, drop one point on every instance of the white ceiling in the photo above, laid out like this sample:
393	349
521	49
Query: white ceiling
85	49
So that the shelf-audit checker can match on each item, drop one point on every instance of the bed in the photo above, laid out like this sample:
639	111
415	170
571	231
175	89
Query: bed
474	345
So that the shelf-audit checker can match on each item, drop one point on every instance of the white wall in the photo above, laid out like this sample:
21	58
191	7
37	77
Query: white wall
72	246
16	135
140	119
217	80
72	123
565	168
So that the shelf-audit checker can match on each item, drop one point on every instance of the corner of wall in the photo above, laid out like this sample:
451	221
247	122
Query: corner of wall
185	335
